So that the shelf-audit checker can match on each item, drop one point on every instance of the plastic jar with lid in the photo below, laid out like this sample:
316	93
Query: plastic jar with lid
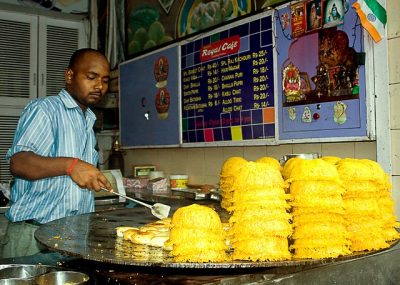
178	182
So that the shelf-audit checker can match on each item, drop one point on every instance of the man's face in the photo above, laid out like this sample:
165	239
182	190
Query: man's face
88	80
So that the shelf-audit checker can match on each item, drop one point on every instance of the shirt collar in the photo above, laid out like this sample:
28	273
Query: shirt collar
69	102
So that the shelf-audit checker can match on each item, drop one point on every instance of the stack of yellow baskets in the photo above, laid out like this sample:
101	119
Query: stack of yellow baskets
369	208
260	222
197	235
317	209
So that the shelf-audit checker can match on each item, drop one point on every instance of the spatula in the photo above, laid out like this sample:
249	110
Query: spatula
158	210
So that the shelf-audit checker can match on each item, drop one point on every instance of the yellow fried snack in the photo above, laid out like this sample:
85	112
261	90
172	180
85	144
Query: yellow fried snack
197	235
320	252
227	175
196	216
153	234
351	169
122	229
313	169
258	175
232	165
288	166
270	161
268	248
316	188
319	228
331	159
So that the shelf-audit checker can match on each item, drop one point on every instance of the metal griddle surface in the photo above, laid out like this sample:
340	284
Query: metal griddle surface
93	237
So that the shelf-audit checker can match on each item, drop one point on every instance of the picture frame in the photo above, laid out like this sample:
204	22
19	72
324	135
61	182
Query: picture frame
298	19
333	13
334	74
305	83
314	15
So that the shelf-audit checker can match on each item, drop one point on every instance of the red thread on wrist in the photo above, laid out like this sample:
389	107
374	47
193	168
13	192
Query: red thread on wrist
71	166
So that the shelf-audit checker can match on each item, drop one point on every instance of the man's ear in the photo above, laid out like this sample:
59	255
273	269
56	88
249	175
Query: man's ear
68	75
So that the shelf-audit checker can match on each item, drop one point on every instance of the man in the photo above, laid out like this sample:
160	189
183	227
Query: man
53	157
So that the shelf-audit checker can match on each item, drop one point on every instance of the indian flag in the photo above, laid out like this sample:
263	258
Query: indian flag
373	17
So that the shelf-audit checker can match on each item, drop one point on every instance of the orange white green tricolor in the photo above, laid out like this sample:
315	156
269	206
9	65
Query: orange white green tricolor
373	17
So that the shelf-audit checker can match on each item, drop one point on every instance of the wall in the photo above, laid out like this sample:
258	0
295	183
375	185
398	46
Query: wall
203	164
393	31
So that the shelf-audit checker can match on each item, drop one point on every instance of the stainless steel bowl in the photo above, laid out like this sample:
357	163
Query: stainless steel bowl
62	278
22	273
299	155
16	281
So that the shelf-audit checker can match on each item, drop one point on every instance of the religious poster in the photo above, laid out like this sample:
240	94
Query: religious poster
333	13
313	15
298	19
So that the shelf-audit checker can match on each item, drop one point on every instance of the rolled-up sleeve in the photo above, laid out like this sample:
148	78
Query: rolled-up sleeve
34	132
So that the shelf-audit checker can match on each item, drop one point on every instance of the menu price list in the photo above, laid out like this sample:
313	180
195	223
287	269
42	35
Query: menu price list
231	96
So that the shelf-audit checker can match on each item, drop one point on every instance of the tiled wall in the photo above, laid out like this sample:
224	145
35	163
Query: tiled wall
393	30
203	164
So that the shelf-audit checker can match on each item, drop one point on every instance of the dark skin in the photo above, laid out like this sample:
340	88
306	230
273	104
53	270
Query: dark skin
87	82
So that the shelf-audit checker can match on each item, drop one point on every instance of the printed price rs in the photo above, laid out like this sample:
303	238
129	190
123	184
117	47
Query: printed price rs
212	80
262	53
263	78
260	78
261	61
261	87
263	104
214	95
261	96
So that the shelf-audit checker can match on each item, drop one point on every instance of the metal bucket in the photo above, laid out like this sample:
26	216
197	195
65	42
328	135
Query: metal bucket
286	157
61	278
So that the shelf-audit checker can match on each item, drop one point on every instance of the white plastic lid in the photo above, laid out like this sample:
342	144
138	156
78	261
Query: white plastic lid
178	176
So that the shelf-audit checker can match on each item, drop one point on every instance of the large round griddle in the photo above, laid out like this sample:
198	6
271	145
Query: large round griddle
93	237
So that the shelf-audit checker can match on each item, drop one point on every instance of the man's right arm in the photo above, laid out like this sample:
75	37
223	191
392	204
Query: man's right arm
31	166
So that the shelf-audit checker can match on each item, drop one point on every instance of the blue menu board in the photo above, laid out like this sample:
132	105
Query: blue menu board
227	86
149	100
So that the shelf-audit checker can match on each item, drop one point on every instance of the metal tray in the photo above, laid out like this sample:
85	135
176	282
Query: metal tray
93	237
194	194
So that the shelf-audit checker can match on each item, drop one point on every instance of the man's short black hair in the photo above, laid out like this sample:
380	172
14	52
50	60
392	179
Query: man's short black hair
78	54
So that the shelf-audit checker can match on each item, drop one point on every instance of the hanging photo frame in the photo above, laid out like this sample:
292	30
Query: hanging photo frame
333	13
298	19
313	15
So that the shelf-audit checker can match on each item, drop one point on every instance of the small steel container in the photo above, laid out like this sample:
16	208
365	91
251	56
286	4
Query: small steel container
17	281
22	273
299	155
62	277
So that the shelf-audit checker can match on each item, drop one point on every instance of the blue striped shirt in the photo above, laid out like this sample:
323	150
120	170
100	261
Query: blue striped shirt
54	126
